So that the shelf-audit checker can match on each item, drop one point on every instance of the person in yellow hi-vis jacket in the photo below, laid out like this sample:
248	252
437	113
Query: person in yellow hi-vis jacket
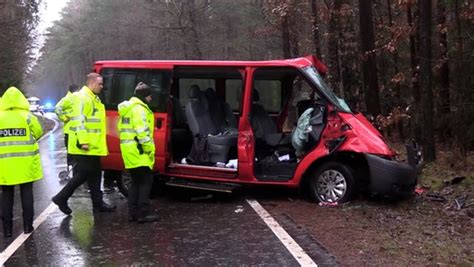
87	143
136	126
20	162
63	110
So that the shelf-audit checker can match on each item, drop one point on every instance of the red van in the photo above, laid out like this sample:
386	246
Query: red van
222	124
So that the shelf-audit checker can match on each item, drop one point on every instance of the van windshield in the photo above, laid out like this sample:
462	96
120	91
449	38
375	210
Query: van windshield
316	78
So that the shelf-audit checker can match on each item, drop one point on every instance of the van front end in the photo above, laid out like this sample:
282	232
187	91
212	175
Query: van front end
387	176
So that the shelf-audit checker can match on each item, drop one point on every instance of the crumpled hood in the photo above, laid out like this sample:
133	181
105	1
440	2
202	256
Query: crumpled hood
365	138
14	99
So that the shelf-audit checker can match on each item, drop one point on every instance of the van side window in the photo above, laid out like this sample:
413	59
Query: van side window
270	93
233	93
185	84
119	85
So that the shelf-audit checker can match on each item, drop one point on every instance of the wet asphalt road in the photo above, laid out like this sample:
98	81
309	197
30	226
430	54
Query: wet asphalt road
195	232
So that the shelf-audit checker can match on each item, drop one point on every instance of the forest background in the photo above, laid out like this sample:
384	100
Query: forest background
407	64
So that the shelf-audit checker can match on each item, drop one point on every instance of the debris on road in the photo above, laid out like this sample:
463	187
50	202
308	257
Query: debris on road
433	196
208	196
239	209
327	204
455	180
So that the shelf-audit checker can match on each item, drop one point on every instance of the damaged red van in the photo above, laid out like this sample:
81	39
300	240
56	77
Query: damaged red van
223	124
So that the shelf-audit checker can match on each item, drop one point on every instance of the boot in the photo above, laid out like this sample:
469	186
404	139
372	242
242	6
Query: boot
28	229
148	218
62	204
7	229
145	216
104	207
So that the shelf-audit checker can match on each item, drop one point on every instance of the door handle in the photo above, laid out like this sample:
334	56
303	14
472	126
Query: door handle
159	123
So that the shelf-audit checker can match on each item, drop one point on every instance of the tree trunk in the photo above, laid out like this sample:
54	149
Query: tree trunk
295	46
414	78
369	64
429	152
443	72
196	50
285	36
333	45
396	69
315	17
459	30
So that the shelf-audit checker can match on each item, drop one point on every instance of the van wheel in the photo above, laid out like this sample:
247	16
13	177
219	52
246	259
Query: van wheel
333	182
123	182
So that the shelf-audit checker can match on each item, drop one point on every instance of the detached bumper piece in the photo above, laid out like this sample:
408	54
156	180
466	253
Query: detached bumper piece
390	178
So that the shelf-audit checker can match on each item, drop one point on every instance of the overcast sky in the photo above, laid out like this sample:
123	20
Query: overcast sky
50	11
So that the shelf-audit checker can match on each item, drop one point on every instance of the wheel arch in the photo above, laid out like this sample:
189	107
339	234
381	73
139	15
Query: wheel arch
356	161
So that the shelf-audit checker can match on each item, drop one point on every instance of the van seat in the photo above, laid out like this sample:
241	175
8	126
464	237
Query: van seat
220	111
264	127
202	126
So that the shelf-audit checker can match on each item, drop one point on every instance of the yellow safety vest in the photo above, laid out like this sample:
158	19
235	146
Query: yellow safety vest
19	131
64	109
87	125
136	126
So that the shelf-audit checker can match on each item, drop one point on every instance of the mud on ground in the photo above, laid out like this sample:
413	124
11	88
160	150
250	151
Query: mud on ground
435	227
364	232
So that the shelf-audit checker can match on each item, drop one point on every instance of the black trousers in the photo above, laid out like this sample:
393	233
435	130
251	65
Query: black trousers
8	194
139	191
69	157
86	168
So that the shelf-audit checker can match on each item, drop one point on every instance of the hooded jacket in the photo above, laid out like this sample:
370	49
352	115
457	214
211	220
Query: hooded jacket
64	110
136	126
19	132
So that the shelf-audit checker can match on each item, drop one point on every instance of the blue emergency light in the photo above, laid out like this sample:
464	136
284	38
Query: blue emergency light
48	105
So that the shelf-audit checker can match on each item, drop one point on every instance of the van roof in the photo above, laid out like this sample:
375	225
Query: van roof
295	62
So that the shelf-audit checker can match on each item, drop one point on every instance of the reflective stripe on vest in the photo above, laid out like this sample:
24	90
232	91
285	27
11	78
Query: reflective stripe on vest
80	118
84	128
128	141
18	143
144	140
143	130
19	154
93	120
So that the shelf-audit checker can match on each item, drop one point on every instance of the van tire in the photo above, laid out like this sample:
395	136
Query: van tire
123	182
332	183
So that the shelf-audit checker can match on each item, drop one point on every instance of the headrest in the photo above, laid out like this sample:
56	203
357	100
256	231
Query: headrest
256	96
194	91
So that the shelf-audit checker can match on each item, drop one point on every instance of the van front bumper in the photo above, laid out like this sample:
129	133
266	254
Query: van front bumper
390	178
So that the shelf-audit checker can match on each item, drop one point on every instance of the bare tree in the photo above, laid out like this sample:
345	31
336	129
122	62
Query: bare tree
425	81
315	29
369	63
443	65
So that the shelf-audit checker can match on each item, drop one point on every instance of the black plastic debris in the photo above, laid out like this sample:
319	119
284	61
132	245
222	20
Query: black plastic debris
435	197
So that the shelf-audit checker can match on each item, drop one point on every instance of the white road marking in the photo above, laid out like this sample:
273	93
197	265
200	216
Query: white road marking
298	253
11	249
56	126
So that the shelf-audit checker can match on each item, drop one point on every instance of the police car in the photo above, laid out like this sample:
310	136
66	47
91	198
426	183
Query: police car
34	105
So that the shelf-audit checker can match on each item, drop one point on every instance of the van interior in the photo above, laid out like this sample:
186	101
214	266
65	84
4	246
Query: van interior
206	105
